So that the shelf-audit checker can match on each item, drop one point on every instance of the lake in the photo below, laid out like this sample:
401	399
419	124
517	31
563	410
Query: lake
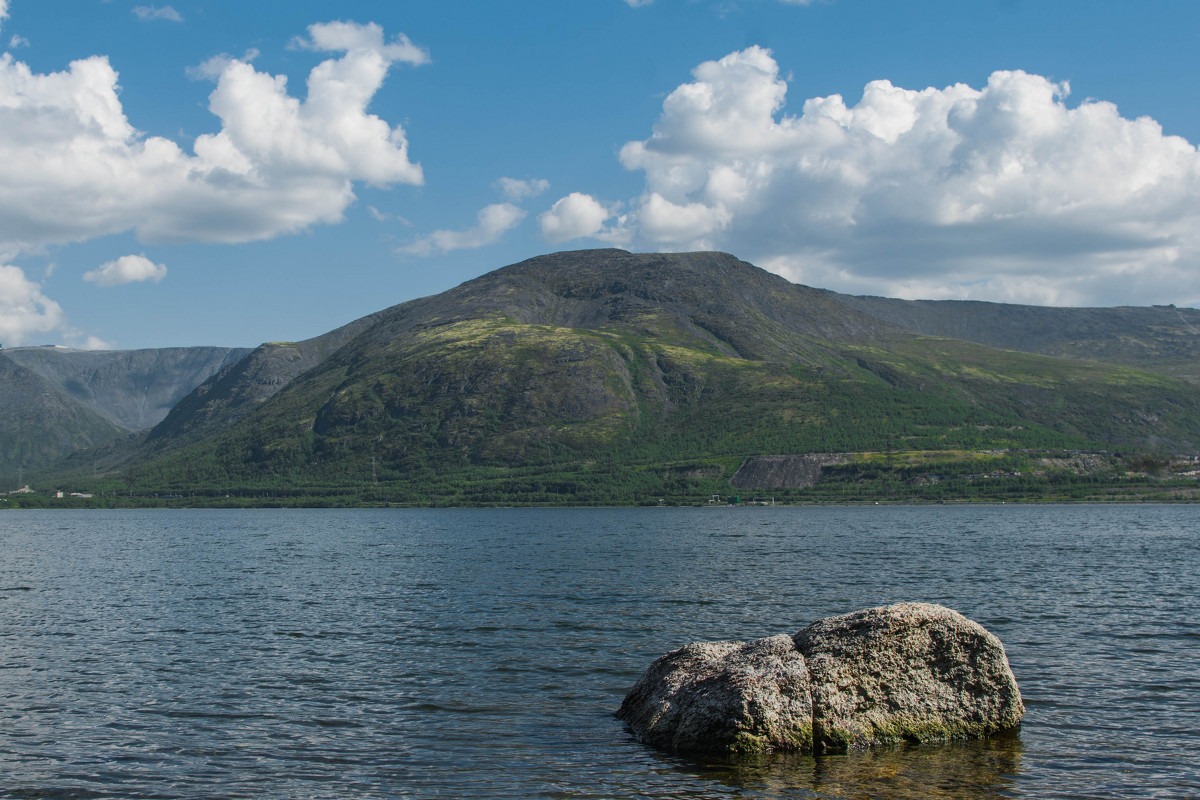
482	653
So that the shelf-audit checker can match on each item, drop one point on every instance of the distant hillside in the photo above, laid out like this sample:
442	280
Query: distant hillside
55	401
606	376
40	423
1162	339
134	389
227	396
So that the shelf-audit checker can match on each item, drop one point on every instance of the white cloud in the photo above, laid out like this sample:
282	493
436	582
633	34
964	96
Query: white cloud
3	11
383	216
333	37
638	3
493	222
17	41
95	343
572	217
148	13
1004	192
72	167
517	190
212	68
24	310
689	225
126	269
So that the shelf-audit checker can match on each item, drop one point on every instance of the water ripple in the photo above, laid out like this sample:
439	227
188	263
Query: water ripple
429	654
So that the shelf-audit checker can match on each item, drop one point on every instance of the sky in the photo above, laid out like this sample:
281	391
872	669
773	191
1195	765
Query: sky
212	172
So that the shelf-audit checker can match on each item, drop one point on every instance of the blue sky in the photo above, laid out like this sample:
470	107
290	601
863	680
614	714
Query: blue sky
227	173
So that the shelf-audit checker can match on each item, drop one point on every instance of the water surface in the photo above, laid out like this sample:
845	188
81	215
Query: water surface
481	653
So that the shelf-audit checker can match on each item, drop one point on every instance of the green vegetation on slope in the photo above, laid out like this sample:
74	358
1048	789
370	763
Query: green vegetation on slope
605	377
40	423
498	412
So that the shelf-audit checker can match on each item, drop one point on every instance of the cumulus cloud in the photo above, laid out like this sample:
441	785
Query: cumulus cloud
126	269
1004	192
572	217
24	310
149	13
492	222
72	167
517	190
212	68
332	37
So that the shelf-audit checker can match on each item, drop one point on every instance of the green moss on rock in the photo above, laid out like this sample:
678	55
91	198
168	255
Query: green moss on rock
910	672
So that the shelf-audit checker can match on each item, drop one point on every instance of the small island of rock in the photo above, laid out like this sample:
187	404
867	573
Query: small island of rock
909	672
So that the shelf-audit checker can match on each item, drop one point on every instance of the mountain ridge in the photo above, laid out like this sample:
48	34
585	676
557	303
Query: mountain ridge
1163	339
41	423
134	389
634	362
637	360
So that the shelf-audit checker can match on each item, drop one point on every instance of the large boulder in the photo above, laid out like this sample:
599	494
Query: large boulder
739	697
906	672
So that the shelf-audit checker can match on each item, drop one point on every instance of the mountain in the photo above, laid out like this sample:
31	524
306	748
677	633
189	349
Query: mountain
606	376
40	423
134	389
55	401
242	385
1162	339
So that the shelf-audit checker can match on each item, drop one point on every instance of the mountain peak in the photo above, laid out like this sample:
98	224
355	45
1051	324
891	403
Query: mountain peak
608	356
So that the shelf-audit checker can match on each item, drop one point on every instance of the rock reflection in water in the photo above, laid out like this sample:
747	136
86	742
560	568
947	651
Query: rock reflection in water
973	770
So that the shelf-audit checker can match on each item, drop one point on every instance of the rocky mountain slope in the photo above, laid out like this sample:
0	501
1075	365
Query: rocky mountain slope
40	423
228	395
54	400
134	389
594	368
1162	339
603	374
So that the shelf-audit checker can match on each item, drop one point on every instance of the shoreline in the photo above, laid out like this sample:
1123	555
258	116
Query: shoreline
129	504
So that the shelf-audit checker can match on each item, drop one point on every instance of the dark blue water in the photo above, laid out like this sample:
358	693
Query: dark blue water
481	653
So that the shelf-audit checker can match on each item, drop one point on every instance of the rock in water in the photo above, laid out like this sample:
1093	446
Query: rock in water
739	697
906	672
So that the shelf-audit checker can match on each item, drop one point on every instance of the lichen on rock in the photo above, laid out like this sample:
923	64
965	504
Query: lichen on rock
724	696
906	672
